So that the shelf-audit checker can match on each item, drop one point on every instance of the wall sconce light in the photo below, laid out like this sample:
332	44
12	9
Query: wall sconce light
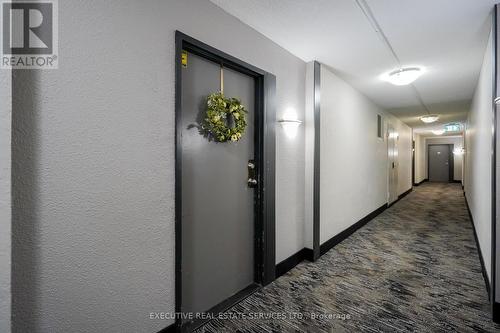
291	127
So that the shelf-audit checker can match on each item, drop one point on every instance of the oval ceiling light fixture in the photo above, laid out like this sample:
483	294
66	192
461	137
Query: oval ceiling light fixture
403	76
438	132
430	118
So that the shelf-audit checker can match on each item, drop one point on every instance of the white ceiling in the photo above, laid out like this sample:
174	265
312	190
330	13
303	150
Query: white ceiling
447	37
448	112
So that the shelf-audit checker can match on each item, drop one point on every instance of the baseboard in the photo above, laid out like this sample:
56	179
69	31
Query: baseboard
421	182
401	196
292	261
329	244
496	312
169	329
404	194
480	254
192	325
307	254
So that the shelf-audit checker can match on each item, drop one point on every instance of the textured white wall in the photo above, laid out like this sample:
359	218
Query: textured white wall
5	199
420	159
457	143
478	147
354	165
94	201
404	153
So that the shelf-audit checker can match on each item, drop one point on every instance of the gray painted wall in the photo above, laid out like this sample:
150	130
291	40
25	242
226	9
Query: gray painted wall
478	148
5	199
94	163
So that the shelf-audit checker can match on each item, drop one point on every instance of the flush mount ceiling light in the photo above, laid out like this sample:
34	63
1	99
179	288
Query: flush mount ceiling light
403	76
430	118
438	132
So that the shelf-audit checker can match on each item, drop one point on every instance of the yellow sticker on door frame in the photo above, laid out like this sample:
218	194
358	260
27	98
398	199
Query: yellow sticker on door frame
184	59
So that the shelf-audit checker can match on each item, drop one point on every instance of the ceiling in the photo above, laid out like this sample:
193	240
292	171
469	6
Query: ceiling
448	112
447	37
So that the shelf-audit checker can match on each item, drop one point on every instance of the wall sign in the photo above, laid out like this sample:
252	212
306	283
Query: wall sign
453	127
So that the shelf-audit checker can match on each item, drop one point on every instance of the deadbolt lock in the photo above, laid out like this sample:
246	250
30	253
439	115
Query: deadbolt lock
252	181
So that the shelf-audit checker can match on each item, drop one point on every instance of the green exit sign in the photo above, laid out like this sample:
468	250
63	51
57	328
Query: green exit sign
455	127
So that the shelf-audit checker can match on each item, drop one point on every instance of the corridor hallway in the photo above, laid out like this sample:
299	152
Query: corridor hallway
415	267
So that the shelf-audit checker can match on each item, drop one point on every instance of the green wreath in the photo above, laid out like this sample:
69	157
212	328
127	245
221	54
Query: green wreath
225	118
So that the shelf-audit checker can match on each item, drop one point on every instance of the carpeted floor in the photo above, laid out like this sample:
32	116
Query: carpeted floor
415	267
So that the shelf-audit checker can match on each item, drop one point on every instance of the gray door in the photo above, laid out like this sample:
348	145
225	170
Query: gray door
439	163
217	205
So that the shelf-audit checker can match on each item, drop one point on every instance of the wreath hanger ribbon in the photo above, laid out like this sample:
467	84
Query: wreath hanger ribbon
222	79
219	108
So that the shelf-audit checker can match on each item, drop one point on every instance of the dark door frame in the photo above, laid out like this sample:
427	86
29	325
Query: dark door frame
412	161
264	199
495	306
451	159
317	161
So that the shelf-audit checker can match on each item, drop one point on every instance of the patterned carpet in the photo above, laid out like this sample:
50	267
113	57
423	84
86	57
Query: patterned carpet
415	267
